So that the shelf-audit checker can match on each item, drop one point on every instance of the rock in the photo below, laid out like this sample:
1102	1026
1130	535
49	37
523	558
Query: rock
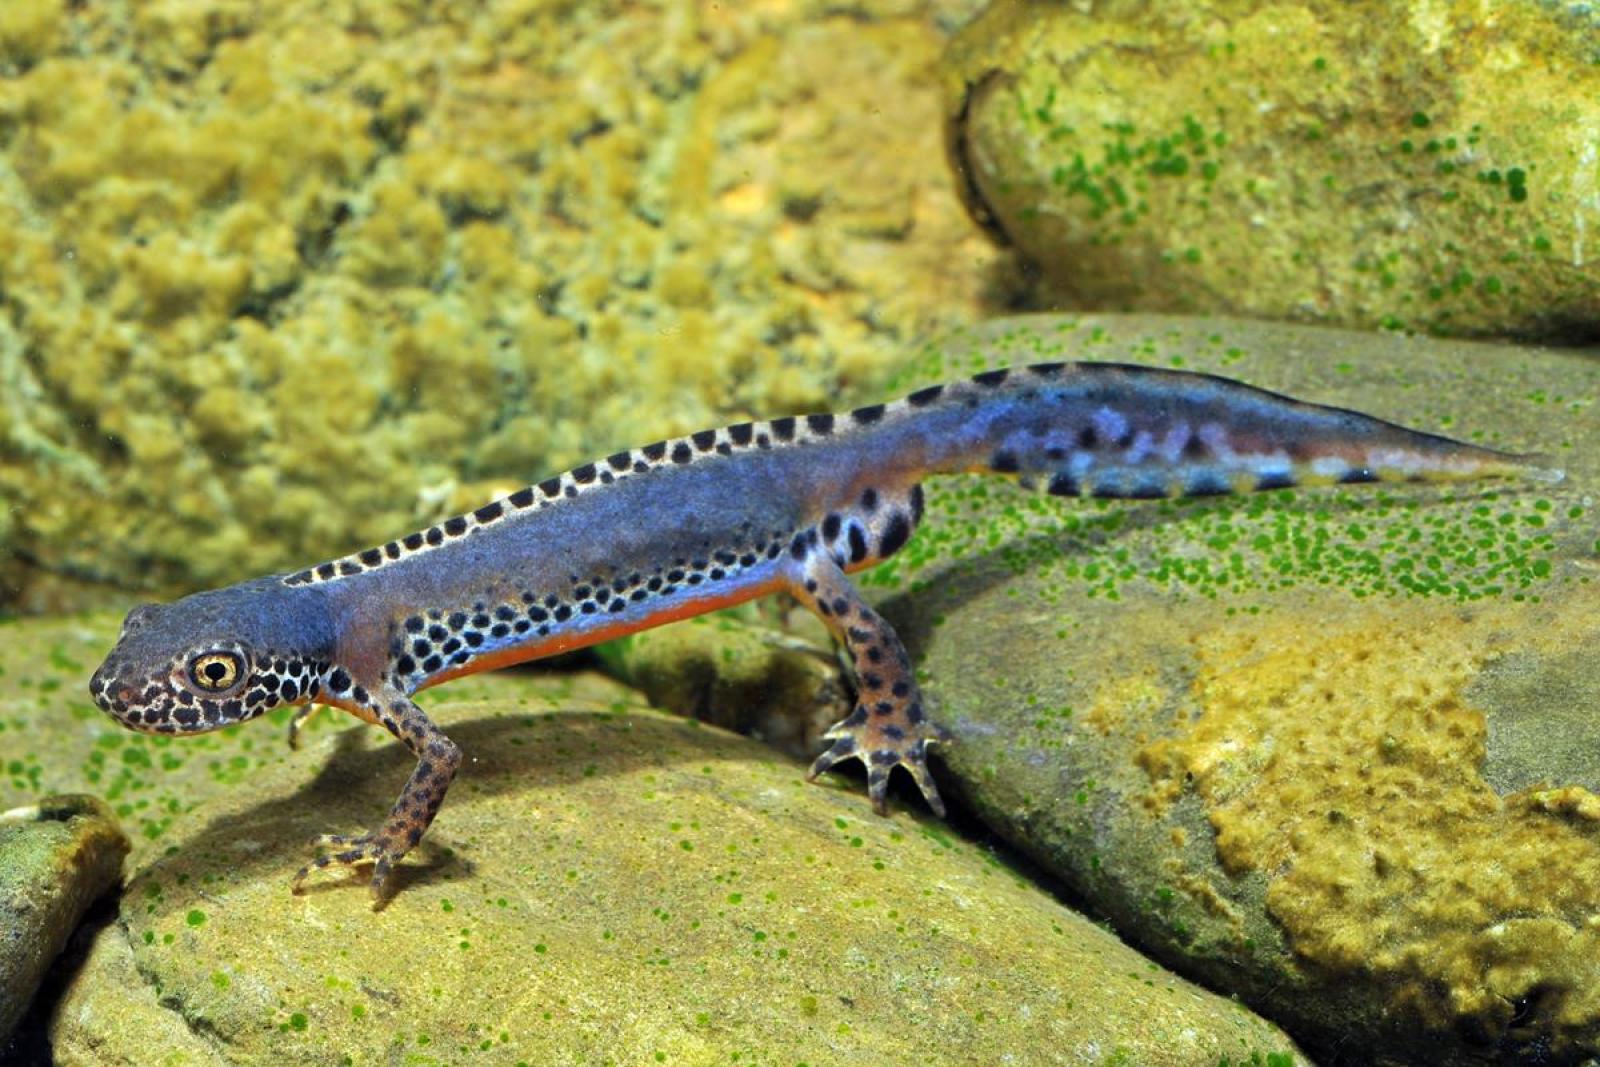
281	283
1335	751
1428	167
603	882
743	676
57	857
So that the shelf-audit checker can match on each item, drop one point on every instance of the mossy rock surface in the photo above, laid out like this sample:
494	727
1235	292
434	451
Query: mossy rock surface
1334	750
285	280
1384	162
604	884
57	857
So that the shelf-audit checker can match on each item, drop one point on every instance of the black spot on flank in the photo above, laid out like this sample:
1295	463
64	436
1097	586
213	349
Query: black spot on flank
451	646
858	544
895	535
654	452
538	614
1005	461
571	491
563	613
414	624
740	432
481	620
431	664
405	665
339	681
581	591
797	547
620	461
288	689
602	595
681	452
638	595
618	604
640	466
924	397
763	441
1063	485
820	424
1194	448
326	571
748	559
830	527
917	503
457	620
372	557
412	541
392	550
1047	368
1357	475
301	578
704	439
455	526
421	646
725	557
434	536
499	629
606	478
583	475
1275	480
868	415
437	633
992	378
869	500
1088	439
894	733
489	512
505	613
347	568
550	487
724	448
717	574
473	638
783	428
360	695
521	498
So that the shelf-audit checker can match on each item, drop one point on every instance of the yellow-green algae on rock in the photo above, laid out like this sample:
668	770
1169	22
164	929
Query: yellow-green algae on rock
282	280
1336	750
57	857
604	884
1430	166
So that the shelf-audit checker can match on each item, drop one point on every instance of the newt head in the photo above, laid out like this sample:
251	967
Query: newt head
215	658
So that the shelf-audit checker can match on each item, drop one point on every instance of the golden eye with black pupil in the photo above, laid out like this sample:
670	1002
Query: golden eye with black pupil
215	671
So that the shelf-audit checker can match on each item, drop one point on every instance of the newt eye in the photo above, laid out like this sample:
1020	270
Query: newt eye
215	671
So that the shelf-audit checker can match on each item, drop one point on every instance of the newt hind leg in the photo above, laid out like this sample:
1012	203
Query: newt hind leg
889	726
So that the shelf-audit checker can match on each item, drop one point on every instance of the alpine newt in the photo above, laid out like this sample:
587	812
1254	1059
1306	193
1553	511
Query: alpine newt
682	527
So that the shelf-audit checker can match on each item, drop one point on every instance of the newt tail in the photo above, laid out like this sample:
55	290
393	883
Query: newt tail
682	527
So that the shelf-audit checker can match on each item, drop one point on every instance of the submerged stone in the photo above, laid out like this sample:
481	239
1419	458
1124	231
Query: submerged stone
603	883
1333	750
57	857
1430	166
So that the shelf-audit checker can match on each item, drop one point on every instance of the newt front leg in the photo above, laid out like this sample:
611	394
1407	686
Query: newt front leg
438	759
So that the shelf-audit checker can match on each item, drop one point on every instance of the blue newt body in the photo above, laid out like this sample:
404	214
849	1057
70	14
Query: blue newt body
682	527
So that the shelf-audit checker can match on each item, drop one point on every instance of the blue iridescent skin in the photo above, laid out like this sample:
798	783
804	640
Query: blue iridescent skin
682	527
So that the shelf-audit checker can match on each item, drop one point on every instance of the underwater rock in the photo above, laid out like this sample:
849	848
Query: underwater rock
57	857
765	683
604	882
282	281
1333	750
1426	166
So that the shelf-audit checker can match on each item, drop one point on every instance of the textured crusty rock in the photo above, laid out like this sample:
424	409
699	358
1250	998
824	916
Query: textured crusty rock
1427	166
57	857
284	280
